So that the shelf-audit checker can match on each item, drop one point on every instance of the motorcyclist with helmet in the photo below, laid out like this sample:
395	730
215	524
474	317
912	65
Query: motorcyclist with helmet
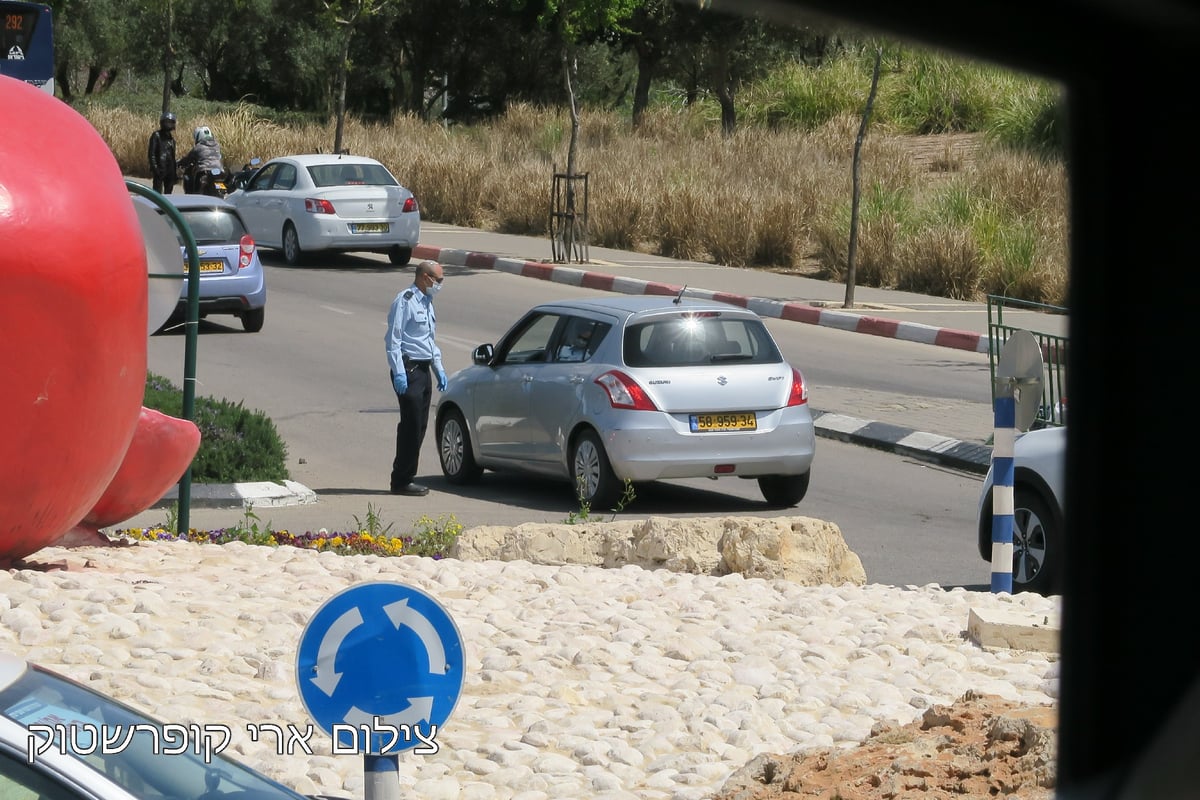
162	154
204	157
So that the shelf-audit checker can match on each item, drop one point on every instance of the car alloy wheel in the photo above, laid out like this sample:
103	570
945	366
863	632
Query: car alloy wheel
454	450
292	253
1036	544
595	482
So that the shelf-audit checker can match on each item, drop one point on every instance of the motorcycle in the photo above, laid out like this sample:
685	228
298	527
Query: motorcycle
242	177
213	182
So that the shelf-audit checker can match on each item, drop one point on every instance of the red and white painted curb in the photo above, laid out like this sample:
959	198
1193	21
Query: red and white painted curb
797	312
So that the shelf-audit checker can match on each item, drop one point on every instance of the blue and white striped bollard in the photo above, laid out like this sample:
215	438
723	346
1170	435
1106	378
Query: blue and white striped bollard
1002	491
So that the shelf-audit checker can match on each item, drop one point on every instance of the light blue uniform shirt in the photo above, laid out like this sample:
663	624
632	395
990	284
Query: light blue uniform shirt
411	328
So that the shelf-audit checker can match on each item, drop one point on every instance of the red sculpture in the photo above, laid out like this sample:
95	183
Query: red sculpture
73	308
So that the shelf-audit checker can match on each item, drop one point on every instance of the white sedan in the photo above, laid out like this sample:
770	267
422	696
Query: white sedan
307	203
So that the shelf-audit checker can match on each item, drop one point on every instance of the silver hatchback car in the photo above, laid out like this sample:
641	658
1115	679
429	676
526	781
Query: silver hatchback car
631	388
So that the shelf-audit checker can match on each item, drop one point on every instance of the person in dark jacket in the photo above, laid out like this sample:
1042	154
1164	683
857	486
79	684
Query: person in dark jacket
162	154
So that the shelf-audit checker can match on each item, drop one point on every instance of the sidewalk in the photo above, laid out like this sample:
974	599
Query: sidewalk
955	434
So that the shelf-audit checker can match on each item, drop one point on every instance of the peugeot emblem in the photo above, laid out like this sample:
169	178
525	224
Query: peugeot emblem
370	206
722	380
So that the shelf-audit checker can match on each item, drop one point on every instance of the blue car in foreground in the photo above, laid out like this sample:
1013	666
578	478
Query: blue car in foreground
231	275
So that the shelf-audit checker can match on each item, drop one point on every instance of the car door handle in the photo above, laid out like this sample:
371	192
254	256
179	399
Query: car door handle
527	378
576	379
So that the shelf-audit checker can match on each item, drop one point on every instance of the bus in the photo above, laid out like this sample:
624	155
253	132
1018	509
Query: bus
27	43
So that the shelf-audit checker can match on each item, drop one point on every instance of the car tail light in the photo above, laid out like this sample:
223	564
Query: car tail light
799	394
410	205
624	392
314	205
247	251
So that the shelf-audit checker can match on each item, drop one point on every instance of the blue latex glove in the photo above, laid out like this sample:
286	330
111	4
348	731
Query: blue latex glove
441	380
400	382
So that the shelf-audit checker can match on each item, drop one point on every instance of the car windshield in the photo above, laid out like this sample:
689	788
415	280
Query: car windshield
143	756
351	175
214	225
694	339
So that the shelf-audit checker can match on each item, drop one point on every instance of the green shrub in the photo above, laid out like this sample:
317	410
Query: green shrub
236	444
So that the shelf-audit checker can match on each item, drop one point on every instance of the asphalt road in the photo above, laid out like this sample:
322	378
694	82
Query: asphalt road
317	370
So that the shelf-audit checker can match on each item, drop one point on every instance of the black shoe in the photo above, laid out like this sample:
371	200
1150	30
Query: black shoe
412	490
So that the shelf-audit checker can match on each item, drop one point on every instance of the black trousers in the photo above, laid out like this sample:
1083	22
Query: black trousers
414	418
162	186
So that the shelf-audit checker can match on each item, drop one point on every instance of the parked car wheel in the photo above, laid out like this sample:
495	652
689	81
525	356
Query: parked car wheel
252	321
454	450
1037	544
400	255
783	491
292	253
593	477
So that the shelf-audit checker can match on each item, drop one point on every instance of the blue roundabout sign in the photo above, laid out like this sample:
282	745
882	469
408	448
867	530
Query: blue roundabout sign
380	668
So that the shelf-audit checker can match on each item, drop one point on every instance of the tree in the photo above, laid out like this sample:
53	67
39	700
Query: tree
572	21
851	258
89	38
347	14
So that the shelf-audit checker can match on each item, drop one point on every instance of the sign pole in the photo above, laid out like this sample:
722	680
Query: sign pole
1002	486
382	775
1016	395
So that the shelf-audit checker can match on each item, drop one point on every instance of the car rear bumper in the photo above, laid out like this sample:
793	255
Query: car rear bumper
784	444
323	232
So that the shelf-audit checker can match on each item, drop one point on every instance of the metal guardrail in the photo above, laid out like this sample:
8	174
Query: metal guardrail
1053	410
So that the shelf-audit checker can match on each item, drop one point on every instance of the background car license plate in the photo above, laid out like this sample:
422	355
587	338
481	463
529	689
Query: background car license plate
728	421
369	227
208	266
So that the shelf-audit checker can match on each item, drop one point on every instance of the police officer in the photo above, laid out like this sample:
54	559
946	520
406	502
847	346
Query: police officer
413	355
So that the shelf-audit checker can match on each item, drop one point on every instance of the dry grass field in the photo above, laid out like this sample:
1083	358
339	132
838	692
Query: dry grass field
946	215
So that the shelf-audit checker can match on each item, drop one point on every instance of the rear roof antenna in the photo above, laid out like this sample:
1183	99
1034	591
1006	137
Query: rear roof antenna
679	297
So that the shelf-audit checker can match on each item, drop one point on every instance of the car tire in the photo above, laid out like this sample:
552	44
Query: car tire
592	475
252	320
454	450
1037	544
292	253
784	491
400	255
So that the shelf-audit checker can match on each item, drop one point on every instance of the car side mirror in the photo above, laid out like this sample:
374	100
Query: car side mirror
483	354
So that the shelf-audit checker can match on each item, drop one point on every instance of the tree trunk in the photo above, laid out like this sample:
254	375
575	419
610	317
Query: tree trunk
647	61
852	255
343	69
721	83
570	232
168	58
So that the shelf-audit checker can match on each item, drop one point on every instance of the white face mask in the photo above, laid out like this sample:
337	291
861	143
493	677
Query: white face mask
433	289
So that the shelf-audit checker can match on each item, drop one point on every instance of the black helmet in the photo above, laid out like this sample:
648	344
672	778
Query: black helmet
167	120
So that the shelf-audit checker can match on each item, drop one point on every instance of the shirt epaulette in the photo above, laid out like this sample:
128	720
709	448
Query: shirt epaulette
408	294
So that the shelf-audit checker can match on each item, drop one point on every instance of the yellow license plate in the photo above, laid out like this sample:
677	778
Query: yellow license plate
208	266
728	421
371	227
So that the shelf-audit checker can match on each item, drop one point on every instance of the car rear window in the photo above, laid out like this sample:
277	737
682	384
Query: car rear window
214	225
698	339
351	175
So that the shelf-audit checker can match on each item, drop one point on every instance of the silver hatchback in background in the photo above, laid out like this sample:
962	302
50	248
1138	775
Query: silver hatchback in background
605	390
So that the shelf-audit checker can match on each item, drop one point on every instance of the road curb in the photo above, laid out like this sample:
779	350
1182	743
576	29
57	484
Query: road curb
776	309
930	447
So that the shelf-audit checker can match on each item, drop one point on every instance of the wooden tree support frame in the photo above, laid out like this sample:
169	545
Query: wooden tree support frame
569	218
